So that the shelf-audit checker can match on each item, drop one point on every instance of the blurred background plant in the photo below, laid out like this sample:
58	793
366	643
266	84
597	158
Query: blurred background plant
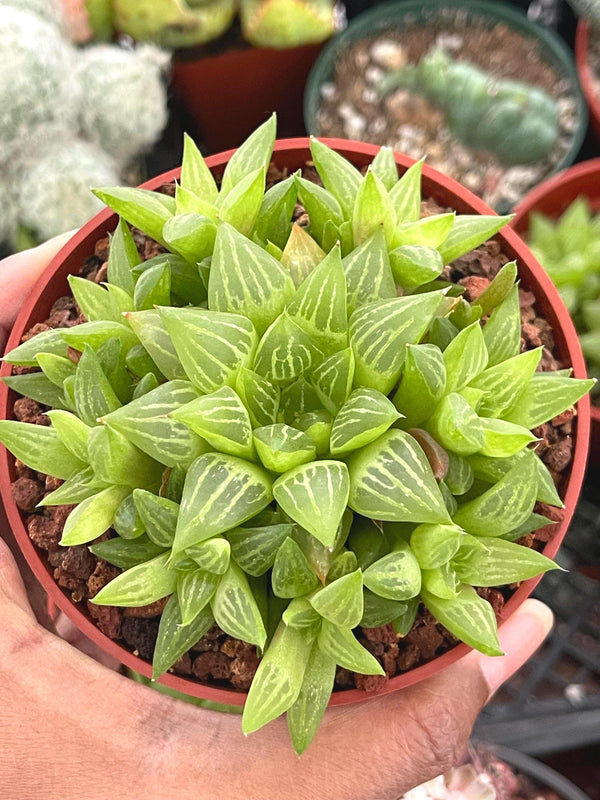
71	117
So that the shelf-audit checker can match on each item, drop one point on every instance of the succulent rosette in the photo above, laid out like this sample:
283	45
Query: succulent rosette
294	431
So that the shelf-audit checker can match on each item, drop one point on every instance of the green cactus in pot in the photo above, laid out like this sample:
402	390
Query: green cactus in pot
294	432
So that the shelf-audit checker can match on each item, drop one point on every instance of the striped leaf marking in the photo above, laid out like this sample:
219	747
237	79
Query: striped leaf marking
498	289
153	335
194	592
300	614
95	334
211	345
74	490
222	419
39	448
241	206
465	357
317	426
428	231
153	288
301	254
504	438
187	202
502	332
93	300
414	265
319	304
213	555
292	575
505	505
159	516
545	396
340	644
278	680
125	554
504	382
245	279
142	208
122	257
320	205
115	459
259	395
469	617
332	379
459	476
422	384
188	286
315	496
253	154
140	585
191	236
363	418
40	388
373	210
55	368
128	523
321	556
93	516
406	194
220	492
440	581
93	394
196	177
45	342
391	479
281	447
235	608
298	398
285	351
434	545
468	232
456	426
368	273
339	176
341	601
379	333
274	221
492	469
175	639
499	563
306	713
145	422
343	564
396	576
254	549
384	166
379	610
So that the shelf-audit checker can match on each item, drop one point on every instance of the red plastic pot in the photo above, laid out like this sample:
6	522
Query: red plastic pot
231	93
582	50
552	198
293	154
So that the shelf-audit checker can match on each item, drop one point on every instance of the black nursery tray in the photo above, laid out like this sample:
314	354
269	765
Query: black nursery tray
553	702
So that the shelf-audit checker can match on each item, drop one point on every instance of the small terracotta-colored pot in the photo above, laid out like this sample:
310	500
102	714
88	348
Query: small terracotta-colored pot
552	198
582	62
292	154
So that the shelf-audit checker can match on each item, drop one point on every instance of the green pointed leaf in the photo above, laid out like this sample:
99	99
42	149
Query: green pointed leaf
74	490
196	177
72	432
254	549
285	351
396	576
459	476
341	602
384	166
468	232
211	345
423	383
429	231
145	385
305	715
465	357
187	202
456	426
493	469
241	205
142	208
39	448
441	582
174	639
380	611
545	396
253	154
260	397
367	541
339	176
500	563
391	479
504	438
442	332
404	622
274	221
499	288
93	517
292	575
158	515
469	617
145	422
94	334
191	236
300	614
220	493
415	265
45	342
194	591
281	447
315	496
152	333
368	273
434	545
212	555
278	680
363	418
341	645
112	361
502	332
297	398
373	209
343	564
93	300
125	554
37	386
406	194
221	418
317	426
320	205
56	368
504	382
122	257
235	608
333	378
379	333
319	304
320	556
301	254
505	505
187	284
533	523
245	279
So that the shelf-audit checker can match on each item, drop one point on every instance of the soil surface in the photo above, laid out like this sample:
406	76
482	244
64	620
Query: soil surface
352	108
217	658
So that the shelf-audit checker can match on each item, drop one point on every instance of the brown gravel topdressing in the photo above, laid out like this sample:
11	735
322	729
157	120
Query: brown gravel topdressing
217	658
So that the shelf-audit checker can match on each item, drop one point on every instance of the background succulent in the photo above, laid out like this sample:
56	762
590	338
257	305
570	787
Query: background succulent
282	443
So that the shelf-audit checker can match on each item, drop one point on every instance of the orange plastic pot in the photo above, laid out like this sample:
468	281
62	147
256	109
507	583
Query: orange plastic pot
293	154
552	198
582	62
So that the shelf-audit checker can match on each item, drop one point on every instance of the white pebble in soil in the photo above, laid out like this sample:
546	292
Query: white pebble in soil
388	54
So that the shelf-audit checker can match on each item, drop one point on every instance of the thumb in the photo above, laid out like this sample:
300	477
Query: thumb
12	588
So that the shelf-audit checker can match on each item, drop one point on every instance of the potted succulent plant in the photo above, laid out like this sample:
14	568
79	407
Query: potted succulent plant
226	52
587	50
559	219
302	434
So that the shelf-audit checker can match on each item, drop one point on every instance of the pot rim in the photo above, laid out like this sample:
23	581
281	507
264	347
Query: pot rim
582	40
286	150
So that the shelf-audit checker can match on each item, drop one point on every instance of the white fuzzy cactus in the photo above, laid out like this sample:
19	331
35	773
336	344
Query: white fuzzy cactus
54	193
123	104
8	212
37	84
49	10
